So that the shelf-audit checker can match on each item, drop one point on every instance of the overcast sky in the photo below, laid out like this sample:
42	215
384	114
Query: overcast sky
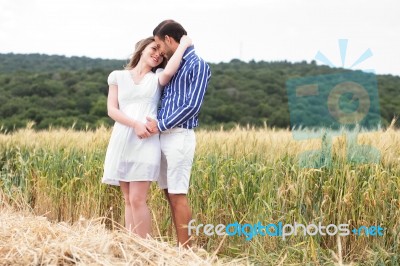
269	30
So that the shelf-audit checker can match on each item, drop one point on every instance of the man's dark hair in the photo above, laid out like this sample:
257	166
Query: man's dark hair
171	28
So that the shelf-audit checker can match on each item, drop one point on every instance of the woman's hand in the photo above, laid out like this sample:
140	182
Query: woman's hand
141	130
185	41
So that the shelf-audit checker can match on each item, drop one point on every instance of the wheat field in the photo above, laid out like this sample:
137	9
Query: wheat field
245	175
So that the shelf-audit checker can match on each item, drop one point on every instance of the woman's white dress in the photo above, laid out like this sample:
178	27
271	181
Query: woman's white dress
129	158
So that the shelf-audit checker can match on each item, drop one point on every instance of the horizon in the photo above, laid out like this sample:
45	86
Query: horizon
221	62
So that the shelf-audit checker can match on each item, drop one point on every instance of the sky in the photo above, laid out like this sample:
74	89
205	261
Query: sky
222	30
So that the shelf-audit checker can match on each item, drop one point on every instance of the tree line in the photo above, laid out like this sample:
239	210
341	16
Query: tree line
59	91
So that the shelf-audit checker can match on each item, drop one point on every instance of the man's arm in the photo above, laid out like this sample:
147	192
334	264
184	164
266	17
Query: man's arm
191	107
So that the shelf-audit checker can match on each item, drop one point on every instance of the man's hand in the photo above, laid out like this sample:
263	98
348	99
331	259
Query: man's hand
151	125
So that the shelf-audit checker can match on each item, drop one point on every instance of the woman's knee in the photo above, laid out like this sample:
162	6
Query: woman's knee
137	201
127	200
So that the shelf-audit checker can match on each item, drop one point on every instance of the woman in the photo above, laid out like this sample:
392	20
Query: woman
133	154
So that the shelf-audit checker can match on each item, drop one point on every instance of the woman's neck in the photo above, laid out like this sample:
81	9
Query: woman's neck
141	68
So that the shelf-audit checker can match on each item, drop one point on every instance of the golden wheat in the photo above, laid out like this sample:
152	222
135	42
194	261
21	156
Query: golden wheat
245	175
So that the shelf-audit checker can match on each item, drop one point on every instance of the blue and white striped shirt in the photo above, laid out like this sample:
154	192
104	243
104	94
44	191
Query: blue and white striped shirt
183	95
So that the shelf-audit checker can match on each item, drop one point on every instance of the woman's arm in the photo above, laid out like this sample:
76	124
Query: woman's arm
173	63
115	113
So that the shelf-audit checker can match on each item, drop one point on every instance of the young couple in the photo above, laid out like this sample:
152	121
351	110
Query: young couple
147	145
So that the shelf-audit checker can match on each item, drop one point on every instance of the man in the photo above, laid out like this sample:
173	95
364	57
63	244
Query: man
178	115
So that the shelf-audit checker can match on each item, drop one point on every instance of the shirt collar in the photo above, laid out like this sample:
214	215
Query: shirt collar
188	53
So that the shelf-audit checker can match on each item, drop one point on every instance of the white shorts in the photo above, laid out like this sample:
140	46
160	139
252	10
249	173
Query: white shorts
177	152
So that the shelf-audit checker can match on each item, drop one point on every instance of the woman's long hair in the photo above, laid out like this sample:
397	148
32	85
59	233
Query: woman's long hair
139	47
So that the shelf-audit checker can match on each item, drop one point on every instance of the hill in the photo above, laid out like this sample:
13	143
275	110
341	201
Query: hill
10	63
63	91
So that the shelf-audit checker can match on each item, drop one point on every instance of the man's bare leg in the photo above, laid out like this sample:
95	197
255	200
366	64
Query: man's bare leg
169	202
181	214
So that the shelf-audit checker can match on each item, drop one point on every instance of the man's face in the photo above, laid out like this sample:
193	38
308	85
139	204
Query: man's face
163	47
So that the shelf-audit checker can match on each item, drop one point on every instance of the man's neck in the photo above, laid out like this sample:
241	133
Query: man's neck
174	45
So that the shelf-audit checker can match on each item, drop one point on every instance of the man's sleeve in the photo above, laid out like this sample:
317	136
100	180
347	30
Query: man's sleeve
191	107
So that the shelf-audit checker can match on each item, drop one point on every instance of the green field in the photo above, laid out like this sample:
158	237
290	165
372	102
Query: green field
245	175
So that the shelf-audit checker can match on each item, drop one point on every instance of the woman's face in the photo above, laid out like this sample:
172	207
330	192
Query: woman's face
152	55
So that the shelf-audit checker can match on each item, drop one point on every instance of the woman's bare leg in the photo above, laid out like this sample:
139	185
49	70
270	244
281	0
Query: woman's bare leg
138	200
129	224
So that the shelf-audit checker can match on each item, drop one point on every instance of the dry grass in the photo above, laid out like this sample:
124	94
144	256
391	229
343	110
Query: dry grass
26	239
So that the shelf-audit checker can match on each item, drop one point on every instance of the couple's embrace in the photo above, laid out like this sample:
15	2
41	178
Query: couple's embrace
150	143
